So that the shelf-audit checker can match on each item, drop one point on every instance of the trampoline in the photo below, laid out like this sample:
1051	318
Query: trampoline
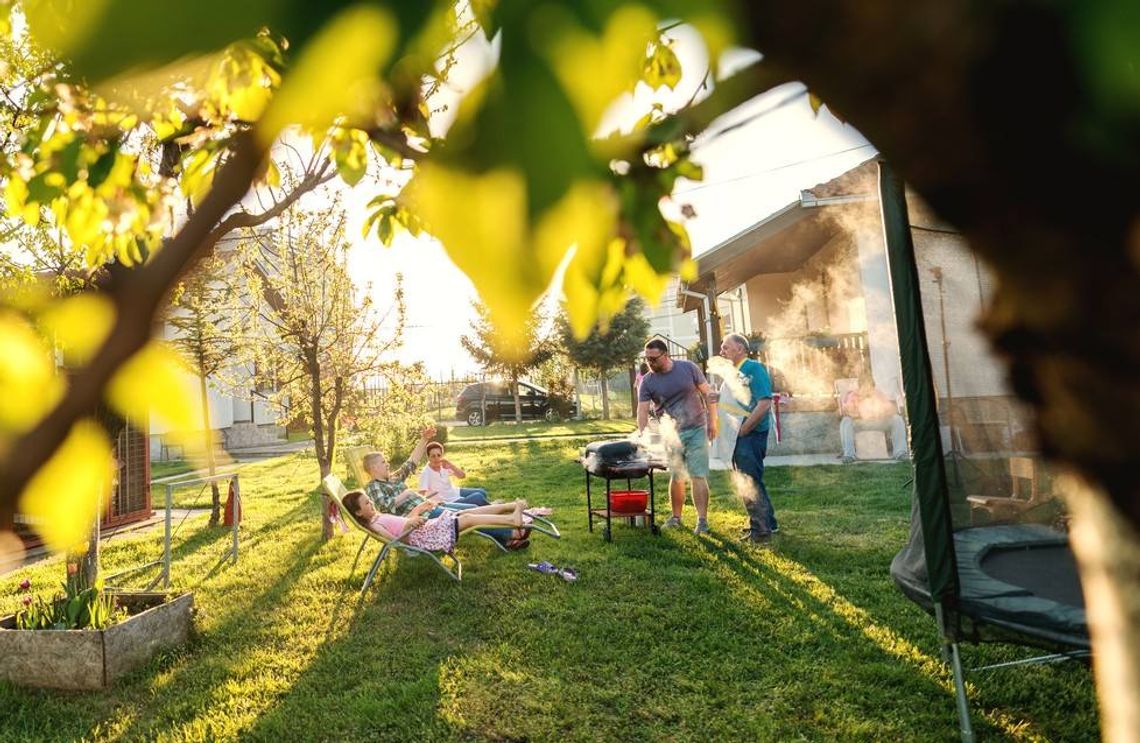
988	553
1018	583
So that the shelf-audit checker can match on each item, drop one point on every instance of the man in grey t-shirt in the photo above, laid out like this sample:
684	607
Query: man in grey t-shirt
681	390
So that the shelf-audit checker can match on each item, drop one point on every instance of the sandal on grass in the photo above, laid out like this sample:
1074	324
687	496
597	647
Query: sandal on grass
568	574
538	511
544	567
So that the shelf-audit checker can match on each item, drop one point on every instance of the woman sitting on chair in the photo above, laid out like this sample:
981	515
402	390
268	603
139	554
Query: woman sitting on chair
437	534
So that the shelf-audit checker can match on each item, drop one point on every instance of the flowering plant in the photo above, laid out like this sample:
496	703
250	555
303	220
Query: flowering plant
80	606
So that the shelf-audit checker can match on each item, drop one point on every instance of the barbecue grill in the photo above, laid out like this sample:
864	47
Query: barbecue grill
619	460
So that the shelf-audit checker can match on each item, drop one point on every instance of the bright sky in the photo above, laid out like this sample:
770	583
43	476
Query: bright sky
779	148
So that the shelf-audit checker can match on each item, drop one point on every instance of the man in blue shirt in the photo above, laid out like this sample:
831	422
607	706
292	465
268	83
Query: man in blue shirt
749	396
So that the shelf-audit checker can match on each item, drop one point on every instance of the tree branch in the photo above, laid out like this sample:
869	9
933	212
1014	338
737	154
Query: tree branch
136	295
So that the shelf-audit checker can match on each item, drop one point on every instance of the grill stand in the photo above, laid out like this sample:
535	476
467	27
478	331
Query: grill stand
607	512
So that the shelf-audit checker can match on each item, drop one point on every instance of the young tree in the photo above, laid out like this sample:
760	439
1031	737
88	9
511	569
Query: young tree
617	347
319	339
511	356
208	329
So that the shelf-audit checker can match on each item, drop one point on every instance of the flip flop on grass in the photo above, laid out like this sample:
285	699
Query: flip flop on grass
548	568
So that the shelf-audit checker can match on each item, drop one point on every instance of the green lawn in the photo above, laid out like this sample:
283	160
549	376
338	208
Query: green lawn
167	469
663	638
510	430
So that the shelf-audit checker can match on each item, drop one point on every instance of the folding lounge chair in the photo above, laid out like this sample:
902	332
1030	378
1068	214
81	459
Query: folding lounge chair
354	458
337	491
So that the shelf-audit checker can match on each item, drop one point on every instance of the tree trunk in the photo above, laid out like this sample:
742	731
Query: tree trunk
633	392
1108	552
577	397
208	442
515	394
319	441
605	396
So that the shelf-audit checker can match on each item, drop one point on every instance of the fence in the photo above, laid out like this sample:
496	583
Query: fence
438	398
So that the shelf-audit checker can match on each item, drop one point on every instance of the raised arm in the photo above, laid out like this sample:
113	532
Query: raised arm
417	454
455	469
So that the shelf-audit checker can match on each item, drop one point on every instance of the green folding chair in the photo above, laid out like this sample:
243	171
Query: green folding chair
336	490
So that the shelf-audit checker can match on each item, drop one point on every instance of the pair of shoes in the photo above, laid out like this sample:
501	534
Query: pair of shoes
672	522
548	568
702	527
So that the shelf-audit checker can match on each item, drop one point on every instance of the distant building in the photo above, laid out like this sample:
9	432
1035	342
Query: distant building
239	409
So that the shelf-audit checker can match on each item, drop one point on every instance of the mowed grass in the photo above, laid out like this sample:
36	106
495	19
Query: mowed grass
538	429
674	638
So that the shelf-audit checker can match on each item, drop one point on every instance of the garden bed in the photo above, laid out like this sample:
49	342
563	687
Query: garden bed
93	659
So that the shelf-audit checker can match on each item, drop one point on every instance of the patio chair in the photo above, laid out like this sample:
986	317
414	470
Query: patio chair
336	490
354	458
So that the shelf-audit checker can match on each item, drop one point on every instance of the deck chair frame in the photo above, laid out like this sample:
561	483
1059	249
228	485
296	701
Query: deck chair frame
336	490
354	459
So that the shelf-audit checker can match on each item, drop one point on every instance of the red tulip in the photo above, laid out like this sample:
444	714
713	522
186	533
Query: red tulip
72	568
25	584
27	601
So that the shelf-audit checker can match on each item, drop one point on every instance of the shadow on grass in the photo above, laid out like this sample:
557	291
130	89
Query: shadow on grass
662	638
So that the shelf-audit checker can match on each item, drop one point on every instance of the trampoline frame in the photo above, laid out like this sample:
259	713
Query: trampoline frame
931	492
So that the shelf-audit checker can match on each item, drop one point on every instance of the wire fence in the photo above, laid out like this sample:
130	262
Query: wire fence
440	398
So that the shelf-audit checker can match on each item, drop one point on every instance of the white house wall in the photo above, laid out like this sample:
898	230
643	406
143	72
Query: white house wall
667	319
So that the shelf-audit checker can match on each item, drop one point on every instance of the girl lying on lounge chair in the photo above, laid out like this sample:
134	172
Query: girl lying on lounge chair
437	534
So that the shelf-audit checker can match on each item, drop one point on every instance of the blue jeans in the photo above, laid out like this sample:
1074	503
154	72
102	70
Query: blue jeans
471	498
748	457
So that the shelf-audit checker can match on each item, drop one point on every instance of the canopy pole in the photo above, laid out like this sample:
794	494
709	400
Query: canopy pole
930	488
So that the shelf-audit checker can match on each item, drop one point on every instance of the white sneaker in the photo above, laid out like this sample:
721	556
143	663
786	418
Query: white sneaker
673	522
702	527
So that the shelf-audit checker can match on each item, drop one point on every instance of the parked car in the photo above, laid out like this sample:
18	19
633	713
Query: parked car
484	402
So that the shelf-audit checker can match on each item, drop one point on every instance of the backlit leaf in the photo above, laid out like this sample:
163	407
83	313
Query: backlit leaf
79	325
350	153
596	69
27	375
662	68
481	221
63	498
155	381
337	73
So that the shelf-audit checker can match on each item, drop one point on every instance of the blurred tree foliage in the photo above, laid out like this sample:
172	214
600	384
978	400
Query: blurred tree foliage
139	153
117	108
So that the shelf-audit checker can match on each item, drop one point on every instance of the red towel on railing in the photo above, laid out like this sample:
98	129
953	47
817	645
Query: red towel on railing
776	415
335	518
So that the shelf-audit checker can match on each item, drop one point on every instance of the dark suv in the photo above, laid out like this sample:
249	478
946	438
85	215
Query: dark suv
495	398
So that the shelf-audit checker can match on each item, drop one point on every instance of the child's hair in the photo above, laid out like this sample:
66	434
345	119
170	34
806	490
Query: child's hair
351	501
369	458
434	445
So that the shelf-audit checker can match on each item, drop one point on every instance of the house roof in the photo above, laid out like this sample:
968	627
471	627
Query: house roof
782	241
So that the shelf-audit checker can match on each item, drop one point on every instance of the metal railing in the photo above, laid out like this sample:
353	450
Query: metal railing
168	531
